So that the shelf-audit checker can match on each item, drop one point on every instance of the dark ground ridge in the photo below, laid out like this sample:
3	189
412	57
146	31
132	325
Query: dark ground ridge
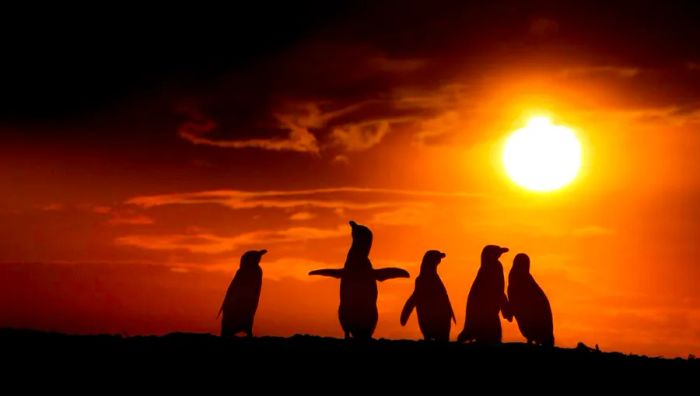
381	362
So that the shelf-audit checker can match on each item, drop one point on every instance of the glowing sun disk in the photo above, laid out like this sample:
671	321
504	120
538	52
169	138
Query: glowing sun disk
542	156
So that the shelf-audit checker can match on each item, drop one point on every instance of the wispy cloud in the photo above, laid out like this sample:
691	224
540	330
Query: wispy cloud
130	220
292	267
301	216
360	136
52	207
211	243
341	159
333	198
299	137
407	215
393	65
593	230
298	120
617	71
444	124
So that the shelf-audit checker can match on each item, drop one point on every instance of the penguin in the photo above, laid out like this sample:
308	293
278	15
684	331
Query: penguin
430	300
242	296
528	303
358	286
486	298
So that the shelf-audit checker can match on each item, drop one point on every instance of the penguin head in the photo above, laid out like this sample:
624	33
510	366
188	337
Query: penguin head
361	238
492	253
251	258
521	265
431	259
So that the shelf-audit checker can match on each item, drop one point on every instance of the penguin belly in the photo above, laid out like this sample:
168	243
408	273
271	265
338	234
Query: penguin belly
235	323
434	312
533	313
434	324
238	311
482	322
237	318
358	305
483	305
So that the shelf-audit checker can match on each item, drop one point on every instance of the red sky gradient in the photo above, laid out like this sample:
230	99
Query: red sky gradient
132	218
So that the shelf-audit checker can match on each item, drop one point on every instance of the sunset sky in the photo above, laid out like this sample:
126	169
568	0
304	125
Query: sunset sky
141	156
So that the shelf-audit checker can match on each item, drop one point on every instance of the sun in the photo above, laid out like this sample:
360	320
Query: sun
542	156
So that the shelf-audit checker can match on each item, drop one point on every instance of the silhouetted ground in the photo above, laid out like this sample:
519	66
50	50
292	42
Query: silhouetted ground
315	363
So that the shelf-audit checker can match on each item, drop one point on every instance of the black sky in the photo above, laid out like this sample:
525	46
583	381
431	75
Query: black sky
75	63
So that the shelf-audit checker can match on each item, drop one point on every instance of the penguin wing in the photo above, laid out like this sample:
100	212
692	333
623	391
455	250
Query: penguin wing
443	290
333	273
408	308
383	274
231	293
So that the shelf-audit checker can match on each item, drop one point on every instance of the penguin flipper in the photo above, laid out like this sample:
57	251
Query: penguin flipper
333	273
407	309
383	274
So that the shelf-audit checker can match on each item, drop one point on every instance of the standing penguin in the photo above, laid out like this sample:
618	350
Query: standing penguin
358	285
430	300
528	303
242	296
486	298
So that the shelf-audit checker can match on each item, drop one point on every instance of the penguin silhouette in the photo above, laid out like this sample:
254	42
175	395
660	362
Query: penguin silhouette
358	285
242	296
486	298
430	300
528	303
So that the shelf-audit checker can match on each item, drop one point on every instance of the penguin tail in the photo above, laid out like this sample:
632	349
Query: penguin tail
407	309
464	336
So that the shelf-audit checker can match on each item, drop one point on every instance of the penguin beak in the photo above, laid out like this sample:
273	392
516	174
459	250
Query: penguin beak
442	255
504	250
352	224
263	251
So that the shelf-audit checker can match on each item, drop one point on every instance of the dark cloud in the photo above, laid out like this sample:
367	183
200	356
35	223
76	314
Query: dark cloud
377	68
71	63
330	79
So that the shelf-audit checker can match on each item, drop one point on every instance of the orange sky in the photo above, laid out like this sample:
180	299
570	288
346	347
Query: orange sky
132	219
